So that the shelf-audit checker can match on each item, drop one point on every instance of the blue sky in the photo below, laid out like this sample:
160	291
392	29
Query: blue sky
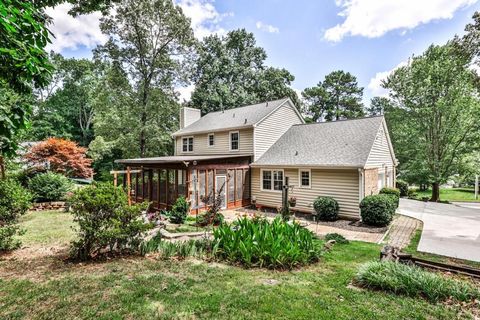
368	38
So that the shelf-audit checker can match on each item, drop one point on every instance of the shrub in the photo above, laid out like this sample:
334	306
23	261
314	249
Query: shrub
414	282
179	211
377	210
402	186
326	208
395	193
14	202
337	237
210	218
179	249
50	186
412	194
260	243
105	221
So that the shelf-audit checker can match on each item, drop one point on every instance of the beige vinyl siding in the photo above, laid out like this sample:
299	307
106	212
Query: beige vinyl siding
268	131
380	157
221	146
342	185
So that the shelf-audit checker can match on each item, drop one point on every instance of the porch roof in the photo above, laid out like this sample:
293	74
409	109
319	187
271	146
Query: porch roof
178	159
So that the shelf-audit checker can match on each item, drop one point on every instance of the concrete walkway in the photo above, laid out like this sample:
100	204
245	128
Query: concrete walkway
448	230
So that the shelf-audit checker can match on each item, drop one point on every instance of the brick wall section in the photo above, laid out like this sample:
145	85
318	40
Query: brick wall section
371	181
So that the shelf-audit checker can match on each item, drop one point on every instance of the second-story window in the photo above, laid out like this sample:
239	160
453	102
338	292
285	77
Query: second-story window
234	140
187	144
211	140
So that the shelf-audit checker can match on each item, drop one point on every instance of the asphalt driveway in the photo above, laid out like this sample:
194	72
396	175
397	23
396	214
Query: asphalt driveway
449	230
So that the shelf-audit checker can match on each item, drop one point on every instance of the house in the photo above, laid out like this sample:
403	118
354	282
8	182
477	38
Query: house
248	153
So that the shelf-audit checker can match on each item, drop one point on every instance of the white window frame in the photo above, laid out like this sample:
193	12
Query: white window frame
193	142
300	171
208	140
272	180
230	140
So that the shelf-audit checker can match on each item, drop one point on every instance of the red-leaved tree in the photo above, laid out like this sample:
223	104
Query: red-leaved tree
61	156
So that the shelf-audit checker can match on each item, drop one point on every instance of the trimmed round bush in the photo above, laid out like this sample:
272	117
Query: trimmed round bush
395	193
377	210
402	186
50	186
326	208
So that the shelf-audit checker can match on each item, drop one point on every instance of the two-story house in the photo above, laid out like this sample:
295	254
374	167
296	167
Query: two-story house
245	155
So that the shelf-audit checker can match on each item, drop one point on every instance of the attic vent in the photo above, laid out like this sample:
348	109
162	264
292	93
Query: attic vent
245	120
296	153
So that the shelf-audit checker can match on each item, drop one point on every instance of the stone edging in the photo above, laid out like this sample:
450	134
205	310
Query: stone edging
41	206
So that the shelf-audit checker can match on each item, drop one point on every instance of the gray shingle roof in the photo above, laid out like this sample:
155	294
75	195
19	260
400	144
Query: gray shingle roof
236	118
344	143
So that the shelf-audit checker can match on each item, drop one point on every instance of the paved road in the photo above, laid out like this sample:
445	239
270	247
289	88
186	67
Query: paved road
448	229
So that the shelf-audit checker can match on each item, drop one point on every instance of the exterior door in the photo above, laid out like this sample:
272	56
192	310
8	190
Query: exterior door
220	186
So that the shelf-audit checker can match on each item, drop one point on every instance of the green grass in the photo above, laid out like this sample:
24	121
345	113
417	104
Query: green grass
47	228
145	288
414	282
452	194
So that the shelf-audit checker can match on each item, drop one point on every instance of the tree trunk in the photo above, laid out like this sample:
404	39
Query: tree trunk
2	168
435	192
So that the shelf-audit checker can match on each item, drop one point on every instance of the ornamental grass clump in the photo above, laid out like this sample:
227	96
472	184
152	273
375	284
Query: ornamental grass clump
260	243
414	282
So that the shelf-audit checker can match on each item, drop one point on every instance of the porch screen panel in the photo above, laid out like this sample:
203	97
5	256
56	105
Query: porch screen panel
140	184
171	186
210	191
201	187
246	184
231	185
239	184
181	180
163	185
192	186
154	195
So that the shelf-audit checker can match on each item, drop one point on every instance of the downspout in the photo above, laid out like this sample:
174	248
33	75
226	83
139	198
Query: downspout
361	187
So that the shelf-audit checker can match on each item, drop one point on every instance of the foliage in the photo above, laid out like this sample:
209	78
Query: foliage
230	73
24	65
414	282
149	49
60	156
393	192
178	249
402	186
377	210
259	243
378	106
180	210
435	118
50	186
412	194
337	237
214	204
105	221
326	208
337	97
14	202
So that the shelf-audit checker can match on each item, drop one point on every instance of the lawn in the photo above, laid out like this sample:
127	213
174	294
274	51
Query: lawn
49	287
451	194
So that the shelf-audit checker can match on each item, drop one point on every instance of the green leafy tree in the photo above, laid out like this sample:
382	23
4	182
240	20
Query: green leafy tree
230	72
337	97
378	106
436	114
150	42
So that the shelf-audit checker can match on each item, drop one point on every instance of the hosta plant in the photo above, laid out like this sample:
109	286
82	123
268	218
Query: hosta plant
260	243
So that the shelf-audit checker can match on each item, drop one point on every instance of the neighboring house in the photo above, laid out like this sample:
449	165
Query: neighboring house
247	153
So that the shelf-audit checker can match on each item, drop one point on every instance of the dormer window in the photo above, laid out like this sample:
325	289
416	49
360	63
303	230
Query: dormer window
187	144
234	141
211	140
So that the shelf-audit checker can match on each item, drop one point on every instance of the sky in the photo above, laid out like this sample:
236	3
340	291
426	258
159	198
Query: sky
310	38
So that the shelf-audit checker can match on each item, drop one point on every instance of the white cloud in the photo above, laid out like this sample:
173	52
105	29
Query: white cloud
374	18
375	84
70	32
266	27
205	17
185	92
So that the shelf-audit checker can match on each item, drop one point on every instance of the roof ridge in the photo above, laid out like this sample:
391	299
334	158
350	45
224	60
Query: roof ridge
341	120
247	105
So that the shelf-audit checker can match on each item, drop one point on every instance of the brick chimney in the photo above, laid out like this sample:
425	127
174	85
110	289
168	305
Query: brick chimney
188	116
